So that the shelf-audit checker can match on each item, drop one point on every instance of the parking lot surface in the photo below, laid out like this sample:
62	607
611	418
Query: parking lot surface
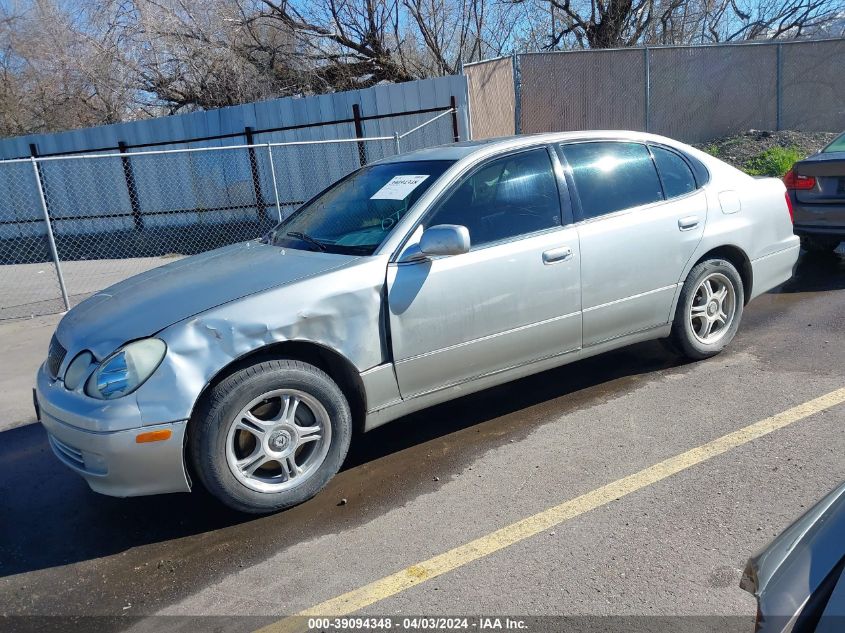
436	480
33	289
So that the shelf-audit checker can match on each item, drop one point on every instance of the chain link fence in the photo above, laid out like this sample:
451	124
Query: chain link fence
691	93
73	225
594	90
492	87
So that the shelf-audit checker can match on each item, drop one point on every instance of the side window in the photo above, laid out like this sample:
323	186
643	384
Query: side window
504	198
674	172
610	176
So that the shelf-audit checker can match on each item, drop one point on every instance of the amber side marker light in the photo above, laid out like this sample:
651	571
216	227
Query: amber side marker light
153	436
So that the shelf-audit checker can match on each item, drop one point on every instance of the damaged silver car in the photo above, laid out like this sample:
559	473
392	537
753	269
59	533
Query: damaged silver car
412	281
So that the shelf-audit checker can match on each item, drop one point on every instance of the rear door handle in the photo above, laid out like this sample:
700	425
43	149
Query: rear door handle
687	223
560	254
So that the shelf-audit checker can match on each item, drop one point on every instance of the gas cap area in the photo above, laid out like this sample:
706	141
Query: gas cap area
729	201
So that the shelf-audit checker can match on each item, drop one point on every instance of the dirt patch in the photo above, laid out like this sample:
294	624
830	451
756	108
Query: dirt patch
740	149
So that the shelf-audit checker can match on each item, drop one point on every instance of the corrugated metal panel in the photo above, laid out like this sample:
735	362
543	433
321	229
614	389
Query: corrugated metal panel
291	111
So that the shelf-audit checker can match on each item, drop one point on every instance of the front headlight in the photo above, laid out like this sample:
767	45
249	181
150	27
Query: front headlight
77	369
126	370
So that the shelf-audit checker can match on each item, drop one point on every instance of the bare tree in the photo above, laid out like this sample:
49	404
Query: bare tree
59	70
452	32
779	19
622	23
350	43
195	54
70	64
206	54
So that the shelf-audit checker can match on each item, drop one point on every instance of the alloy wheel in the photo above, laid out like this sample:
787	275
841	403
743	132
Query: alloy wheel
713	308
278	440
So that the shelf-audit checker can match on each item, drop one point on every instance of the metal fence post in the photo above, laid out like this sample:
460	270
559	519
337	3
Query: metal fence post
517	96
396	143
647	88
779	88
275	186
453	103
131	188
260	206
359	133
50	239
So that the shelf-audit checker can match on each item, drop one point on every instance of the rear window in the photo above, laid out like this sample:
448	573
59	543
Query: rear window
611	176
675	174
838	145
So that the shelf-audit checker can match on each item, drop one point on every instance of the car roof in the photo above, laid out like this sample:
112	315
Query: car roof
464	149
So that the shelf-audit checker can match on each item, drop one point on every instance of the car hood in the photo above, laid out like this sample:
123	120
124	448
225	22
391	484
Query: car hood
147	303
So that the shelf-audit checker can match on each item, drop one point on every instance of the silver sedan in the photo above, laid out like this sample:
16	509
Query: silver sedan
412	281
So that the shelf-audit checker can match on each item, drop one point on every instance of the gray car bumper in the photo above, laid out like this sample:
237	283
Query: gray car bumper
114	463
819	219
774	269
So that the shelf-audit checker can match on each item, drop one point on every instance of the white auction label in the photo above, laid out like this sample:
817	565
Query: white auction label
398	188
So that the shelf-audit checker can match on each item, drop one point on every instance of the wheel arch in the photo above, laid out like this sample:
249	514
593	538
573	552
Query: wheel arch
736	256
336	365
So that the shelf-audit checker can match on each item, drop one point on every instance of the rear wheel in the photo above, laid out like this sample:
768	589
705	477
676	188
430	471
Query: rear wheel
709	309
270	436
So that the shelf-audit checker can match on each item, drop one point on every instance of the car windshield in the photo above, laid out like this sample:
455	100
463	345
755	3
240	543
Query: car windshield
354	215
838	145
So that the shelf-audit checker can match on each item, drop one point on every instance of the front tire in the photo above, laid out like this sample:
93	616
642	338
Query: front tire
709	309
270	436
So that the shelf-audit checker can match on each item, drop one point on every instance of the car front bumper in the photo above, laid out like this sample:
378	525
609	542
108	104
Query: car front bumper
112	462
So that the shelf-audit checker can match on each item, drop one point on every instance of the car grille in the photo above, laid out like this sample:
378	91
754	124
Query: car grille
66	452
55	356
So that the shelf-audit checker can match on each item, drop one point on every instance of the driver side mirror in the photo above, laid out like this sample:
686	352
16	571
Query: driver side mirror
442	239
445	239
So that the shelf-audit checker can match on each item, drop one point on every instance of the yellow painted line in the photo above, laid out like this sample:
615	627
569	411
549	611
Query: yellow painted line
530	526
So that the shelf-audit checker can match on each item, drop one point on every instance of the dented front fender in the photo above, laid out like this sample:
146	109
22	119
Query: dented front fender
340	310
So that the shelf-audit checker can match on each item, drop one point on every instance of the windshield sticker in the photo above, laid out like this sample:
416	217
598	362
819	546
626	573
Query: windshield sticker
398	188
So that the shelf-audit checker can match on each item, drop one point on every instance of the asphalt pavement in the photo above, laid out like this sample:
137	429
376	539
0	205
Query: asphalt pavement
440	478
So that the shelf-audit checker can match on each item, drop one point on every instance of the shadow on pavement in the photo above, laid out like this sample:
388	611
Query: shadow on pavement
50	517
816	272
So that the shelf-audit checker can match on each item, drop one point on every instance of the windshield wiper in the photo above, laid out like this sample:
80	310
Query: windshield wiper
306	238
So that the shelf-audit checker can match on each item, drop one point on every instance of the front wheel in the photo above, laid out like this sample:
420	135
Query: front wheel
709	309
270	436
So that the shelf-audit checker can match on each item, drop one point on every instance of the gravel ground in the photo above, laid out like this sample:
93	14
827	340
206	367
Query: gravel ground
738	149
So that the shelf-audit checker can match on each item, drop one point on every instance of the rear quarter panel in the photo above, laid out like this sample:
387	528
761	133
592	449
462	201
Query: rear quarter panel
744	212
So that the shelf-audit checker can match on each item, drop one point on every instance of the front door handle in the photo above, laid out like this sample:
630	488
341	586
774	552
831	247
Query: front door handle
560	254
687	223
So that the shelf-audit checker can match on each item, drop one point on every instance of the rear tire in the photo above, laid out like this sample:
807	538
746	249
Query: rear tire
270	436
709	310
